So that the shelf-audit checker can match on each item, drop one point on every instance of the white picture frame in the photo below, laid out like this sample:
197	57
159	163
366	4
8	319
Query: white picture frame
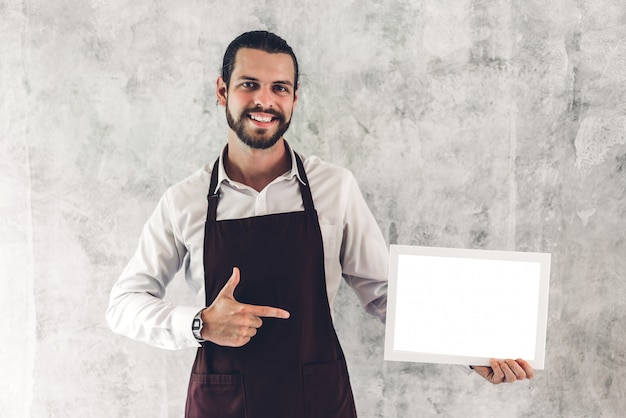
465	306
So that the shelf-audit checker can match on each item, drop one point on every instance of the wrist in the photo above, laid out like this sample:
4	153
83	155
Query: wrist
196	326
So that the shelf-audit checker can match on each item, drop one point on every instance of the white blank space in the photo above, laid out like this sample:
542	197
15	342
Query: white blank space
469	307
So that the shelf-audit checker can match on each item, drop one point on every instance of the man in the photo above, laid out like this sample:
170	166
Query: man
268	250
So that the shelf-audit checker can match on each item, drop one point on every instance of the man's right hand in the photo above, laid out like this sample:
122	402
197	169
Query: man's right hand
230	323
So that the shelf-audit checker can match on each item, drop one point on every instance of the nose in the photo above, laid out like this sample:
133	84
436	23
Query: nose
263	97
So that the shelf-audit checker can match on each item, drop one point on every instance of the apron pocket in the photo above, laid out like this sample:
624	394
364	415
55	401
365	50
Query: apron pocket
215	396
327	391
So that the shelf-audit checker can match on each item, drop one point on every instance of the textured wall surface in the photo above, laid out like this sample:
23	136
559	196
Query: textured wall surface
496	124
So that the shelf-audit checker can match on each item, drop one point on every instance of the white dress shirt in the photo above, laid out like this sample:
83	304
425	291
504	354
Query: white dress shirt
173	238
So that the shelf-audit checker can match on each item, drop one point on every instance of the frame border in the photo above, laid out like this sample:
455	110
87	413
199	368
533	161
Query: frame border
544	260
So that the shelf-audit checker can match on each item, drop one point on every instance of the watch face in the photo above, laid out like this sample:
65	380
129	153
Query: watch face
196	325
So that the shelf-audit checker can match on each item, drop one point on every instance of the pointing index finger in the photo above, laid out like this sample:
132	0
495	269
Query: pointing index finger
267	312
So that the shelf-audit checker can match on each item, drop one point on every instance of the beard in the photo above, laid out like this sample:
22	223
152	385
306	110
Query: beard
257	138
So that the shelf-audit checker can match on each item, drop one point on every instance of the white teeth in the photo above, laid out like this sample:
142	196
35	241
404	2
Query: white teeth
260	118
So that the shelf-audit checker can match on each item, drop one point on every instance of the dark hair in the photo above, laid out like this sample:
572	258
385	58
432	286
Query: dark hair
259	39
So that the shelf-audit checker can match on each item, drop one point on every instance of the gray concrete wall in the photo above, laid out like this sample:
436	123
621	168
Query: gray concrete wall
496	124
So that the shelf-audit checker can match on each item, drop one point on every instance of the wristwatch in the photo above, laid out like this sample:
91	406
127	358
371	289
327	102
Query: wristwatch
196	326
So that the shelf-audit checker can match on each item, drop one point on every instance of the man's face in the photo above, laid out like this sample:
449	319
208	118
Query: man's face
260	98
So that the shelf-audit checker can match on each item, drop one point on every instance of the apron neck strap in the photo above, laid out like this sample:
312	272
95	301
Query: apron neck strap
305	190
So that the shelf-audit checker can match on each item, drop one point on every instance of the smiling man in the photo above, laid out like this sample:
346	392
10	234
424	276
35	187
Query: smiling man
269	107
266	253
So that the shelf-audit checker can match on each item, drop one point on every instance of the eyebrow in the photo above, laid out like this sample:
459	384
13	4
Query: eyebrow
285	82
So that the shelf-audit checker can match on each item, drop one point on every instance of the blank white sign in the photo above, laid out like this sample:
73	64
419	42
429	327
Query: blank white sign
459	306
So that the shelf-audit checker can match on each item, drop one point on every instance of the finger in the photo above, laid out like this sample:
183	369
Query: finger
267	311
251	321
248	333
498	373
528	369
517	370
230	286
238	341
509	376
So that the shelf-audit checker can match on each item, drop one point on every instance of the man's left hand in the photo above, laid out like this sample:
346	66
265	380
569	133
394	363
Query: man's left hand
505	371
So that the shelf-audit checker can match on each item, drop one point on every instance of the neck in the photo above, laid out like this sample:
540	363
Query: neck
255	168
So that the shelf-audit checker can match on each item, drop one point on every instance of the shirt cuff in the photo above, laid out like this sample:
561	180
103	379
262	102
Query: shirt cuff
182	320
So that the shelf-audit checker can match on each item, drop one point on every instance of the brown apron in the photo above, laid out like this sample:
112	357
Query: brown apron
291	368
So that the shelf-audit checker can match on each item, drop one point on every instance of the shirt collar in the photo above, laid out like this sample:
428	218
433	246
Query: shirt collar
293	172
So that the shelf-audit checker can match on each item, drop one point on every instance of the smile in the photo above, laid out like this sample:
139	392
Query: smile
261	118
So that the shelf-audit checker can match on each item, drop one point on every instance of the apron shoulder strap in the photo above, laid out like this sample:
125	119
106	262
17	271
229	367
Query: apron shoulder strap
212	197
305	190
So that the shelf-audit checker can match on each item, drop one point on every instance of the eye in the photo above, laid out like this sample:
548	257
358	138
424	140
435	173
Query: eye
248	85
279	88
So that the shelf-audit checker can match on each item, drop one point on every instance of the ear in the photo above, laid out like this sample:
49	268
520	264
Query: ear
221	91
295	98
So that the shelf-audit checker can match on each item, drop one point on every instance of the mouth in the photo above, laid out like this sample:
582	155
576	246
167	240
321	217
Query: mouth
262	119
